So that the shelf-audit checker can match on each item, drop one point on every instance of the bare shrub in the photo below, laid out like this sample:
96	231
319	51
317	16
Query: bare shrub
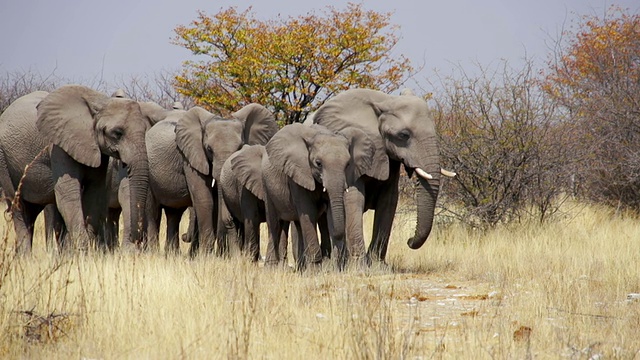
19	83
158	87
503	137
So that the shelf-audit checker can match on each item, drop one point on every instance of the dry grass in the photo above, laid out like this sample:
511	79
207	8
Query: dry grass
530	291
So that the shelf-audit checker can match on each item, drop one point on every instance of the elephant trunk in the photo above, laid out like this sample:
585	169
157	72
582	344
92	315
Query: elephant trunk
138	173
336	203
426	196
337	219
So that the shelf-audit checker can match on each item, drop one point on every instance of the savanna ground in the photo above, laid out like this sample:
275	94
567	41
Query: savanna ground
528	291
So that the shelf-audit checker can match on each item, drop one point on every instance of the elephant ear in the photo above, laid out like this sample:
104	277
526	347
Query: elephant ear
362	151
153	112
358	108
259	124
247	166
288	151
66	119
189	138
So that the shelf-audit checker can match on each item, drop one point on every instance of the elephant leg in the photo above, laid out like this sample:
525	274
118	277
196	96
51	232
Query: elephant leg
23	222
251	242
354	209
325	237
191	228
226	235
94	201
203	203
67	192
297	245
274	225
52	220
284	240
68	178
385	212
193	234
312	251
57	226
172	243
112	228
307	226
251	226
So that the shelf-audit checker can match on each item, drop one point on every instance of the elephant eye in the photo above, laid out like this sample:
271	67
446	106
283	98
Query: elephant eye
318	163
403	135
117	133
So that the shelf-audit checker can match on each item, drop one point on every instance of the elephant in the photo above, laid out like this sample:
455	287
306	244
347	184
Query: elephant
119	193
207	141
403	131
66	138
204	142
243	194
305	172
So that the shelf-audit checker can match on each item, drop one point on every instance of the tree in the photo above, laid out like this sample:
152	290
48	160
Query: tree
595	74
290	65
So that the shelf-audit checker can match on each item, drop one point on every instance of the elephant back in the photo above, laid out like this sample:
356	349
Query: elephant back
166	174
21	141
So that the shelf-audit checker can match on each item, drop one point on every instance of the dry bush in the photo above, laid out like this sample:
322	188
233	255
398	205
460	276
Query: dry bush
158	87
19	83
503	137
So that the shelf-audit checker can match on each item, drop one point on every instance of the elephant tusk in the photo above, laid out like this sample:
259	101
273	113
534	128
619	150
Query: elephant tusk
447	173
213	182
324	189
423	174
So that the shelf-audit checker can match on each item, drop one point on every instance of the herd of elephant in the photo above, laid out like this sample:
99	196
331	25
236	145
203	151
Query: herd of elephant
90	158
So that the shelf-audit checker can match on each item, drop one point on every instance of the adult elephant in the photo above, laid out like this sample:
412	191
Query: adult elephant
404	134
186	158
67	137
119	191
306	171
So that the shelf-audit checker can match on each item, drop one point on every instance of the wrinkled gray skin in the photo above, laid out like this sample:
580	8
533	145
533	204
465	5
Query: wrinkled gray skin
73	131
186	155
404	134
305	172
204	143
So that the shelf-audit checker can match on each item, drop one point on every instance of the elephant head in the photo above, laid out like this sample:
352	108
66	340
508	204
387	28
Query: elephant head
207	141
87	124
314	156
403	130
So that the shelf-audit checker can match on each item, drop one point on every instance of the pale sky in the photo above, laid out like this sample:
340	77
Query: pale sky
87	39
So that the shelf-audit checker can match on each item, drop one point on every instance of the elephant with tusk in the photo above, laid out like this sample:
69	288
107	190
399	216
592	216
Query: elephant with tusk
404	134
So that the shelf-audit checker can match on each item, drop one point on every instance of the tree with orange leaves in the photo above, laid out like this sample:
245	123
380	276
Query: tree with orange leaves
290	65
595	74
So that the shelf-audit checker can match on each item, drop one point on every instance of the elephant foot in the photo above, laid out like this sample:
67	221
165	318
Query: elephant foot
272	263
358	264
129	248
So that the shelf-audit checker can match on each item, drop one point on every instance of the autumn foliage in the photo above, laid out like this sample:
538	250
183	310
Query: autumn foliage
595	74
291	65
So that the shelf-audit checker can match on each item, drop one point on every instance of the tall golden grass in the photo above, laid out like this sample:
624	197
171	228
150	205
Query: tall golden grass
528	291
